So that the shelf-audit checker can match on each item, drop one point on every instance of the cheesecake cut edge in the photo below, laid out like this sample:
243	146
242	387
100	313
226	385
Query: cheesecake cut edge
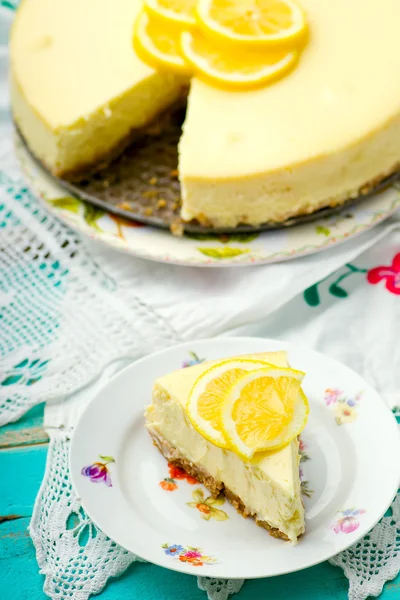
215	488
277	502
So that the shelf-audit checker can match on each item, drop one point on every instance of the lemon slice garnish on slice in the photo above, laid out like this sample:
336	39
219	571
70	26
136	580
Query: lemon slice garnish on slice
235	70
253	23
206	397
179	12
264	410
159	45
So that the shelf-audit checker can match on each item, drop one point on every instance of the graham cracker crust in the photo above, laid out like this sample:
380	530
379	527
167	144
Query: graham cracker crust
158	122
214	487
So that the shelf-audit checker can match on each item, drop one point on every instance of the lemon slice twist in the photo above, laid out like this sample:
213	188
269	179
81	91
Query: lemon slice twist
234	70
264	411
159	46
175	12
231	44
204	403
248	406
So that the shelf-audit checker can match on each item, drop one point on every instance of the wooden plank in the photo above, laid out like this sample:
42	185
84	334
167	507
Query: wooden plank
394	586
23	437
26	431
21	473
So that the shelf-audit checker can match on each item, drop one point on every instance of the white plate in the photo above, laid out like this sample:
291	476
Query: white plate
235	250
353	466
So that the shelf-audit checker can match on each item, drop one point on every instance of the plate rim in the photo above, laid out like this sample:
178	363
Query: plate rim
212	571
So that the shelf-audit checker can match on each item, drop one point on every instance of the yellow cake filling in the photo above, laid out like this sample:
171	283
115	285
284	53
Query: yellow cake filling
269	485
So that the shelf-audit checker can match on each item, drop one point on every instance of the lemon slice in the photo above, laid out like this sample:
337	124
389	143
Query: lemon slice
179	12
205	399
234	70
158	45
255	23
264	411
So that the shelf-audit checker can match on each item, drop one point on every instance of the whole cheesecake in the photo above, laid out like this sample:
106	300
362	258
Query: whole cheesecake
323	134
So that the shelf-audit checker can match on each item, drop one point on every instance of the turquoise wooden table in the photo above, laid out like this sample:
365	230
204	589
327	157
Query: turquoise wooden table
23	449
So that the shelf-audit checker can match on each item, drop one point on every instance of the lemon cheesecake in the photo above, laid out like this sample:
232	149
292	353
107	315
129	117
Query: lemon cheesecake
326	131
267	487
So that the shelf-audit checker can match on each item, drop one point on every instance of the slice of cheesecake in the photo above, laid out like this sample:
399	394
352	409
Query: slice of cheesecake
267	488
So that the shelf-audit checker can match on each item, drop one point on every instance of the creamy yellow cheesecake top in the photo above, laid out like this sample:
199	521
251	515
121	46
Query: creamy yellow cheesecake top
269	486
328	128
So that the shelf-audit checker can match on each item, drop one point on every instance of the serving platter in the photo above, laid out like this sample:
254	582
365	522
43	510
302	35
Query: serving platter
132	205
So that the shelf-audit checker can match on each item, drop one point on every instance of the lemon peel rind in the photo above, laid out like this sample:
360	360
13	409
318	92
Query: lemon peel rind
169	16
156	60
236	81
294	36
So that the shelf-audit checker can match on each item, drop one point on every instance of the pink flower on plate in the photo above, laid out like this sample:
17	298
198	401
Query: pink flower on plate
348	522
303	450
332	395
98	471
390	273
347	525
193	554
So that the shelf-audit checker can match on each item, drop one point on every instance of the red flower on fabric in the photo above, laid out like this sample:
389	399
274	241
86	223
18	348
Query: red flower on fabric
390	273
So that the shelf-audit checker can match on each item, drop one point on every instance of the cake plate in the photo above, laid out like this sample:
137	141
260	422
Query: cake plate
129	492
96	211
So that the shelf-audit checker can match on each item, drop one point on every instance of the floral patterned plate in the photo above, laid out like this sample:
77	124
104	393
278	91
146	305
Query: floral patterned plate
349	470
207	250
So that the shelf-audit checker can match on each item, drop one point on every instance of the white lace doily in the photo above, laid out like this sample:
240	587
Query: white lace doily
45	272
76	558
219	589
375	559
